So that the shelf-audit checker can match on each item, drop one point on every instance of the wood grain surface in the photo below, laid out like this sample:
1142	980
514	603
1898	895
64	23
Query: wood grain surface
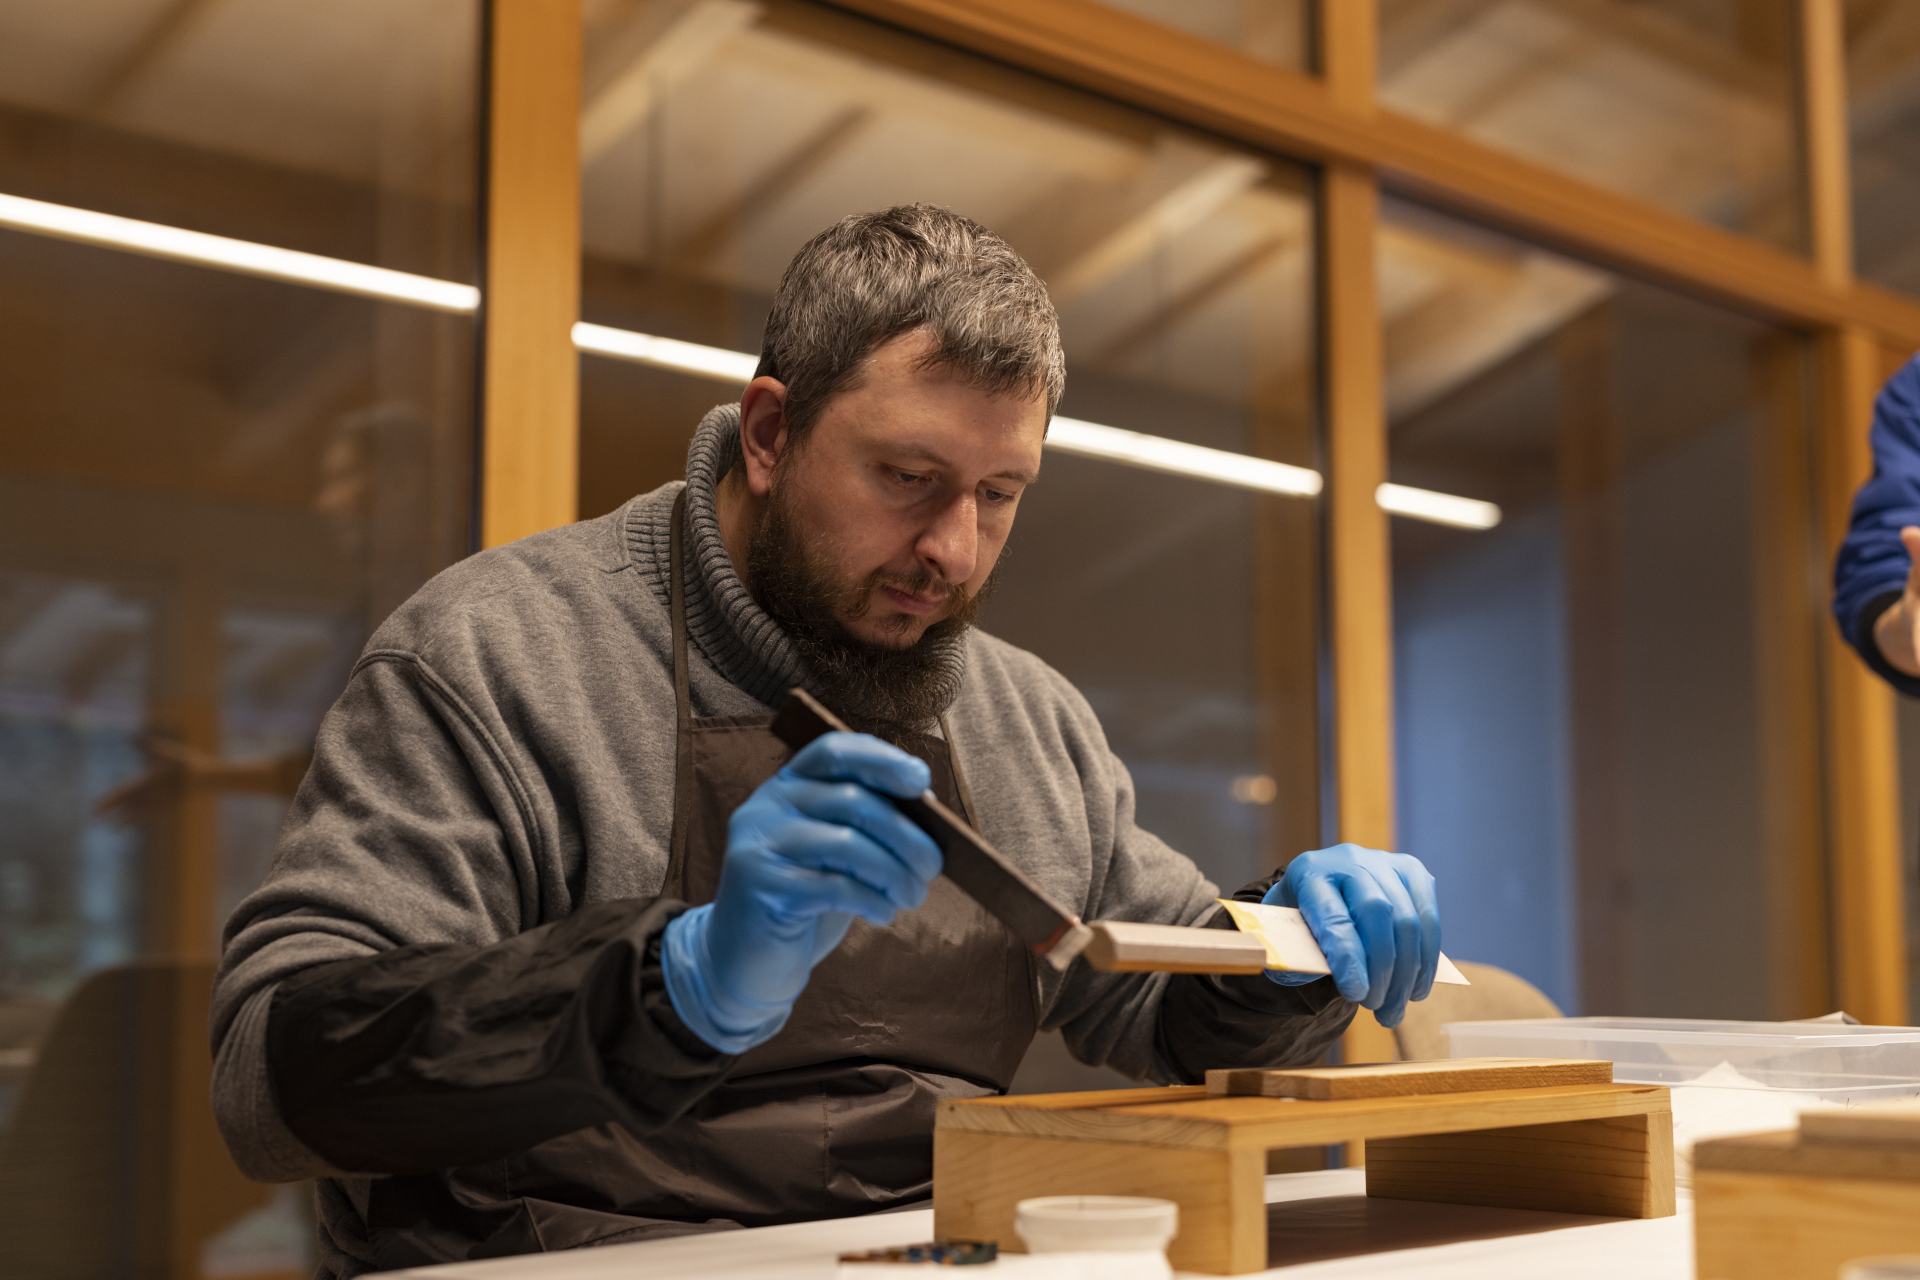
1405	1079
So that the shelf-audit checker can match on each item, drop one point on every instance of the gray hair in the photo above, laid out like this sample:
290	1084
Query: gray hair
871	277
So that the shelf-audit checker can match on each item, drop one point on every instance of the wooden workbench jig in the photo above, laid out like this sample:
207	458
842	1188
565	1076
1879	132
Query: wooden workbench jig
1510	1132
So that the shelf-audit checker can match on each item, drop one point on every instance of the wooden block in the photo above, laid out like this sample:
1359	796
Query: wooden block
1120	946
1890	1123
980	1178
1795	1227
1404	1079
1592	1148
1618	1166
1787	1151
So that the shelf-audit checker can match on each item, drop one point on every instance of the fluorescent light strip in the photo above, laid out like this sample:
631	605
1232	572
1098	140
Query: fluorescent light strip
1157	453
158	241
665	353
1438	508
1072	435
1069	435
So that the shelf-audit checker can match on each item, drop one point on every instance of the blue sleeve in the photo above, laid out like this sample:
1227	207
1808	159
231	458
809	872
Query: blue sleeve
1871	569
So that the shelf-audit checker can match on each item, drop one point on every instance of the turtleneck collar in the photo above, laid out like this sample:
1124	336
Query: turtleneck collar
740	639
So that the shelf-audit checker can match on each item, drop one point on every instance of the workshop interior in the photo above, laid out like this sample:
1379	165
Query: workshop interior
1477	490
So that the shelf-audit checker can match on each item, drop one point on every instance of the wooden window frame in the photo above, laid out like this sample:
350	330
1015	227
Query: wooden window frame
1332	120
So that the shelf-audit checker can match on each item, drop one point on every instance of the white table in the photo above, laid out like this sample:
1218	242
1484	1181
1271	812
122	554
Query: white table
1320	1220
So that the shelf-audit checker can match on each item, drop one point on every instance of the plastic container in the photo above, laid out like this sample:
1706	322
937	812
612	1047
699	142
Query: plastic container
1096	1224
1904	1267
1828	1062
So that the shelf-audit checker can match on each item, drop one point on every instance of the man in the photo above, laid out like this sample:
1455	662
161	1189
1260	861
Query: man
472	996
1876	578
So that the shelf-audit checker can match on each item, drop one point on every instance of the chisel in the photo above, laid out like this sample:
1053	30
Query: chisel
981	871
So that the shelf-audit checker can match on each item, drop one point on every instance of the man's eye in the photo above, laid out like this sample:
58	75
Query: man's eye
998	497
910	478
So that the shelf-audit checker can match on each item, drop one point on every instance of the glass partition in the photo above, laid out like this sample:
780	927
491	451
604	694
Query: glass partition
212	486
1608	739
1688	105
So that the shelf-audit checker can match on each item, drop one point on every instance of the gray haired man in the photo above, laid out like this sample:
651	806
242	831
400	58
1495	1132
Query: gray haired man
562	947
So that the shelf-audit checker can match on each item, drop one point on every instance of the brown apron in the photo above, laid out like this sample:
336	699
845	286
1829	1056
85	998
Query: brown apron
834	1115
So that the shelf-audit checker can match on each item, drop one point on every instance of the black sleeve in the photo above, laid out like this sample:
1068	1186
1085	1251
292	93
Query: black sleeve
430	1056
1212	1020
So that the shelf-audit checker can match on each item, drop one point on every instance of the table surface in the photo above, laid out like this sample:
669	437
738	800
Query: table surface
1320	1225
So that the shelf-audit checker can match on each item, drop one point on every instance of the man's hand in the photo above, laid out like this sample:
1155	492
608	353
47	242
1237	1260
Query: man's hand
1375	916
816	845
1896	631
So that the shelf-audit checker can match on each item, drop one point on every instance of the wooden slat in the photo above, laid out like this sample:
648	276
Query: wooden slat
1120	946
1208	85
1348	32
1786	1227
1221	1122
530	386
1862	780
1824	143
1407	1079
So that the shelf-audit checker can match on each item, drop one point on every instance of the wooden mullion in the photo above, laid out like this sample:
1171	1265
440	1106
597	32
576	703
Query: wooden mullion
530	390
1359	562
1861	779
1213	87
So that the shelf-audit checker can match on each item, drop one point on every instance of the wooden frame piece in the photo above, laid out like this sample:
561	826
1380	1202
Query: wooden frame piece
1405	1079
530	384
1217	89
1118	946
1593	1148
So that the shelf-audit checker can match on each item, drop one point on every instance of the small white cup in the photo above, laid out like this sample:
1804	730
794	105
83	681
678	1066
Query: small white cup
1096	1224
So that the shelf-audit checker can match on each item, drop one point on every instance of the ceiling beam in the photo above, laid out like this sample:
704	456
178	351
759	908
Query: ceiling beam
638	65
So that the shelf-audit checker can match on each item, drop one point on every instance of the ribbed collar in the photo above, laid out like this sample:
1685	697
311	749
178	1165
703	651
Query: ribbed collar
731	630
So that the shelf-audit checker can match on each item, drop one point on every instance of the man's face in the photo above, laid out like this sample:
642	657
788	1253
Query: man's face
900	497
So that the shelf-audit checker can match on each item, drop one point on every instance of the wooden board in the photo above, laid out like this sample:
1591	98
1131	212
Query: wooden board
1120	946
1401	1079
1220	1122
1889	1123
1787	1152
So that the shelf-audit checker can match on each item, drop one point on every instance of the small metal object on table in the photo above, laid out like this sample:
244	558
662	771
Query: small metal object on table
1593	1147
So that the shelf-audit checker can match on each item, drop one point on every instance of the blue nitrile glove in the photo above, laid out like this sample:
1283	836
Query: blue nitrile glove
816	845
1375	916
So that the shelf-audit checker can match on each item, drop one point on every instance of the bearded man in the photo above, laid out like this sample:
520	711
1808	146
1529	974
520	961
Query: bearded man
562	947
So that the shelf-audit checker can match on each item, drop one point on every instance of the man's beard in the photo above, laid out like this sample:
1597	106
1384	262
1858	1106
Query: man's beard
883	689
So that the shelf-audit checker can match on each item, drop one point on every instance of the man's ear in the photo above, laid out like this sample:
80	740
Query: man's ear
763	431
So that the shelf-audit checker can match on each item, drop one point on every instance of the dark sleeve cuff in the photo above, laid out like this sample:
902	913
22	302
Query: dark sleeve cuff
1247	1020
1869	650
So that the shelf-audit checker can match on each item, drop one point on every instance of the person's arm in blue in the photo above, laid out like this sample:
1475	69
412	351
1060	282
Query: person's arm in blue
1876	585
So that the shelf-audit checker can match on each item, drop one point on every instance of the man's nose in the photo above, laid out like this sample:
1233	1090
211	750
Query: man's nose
951	544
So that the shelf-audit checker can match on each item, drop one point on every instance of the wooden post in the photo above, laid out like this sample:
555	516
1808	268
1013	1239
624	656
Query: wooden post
1862	781
530	389
1360	569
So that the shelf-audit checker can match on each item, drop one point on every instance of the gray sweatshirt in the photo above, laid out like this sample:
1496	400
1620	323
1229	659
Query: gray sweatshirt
502	759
